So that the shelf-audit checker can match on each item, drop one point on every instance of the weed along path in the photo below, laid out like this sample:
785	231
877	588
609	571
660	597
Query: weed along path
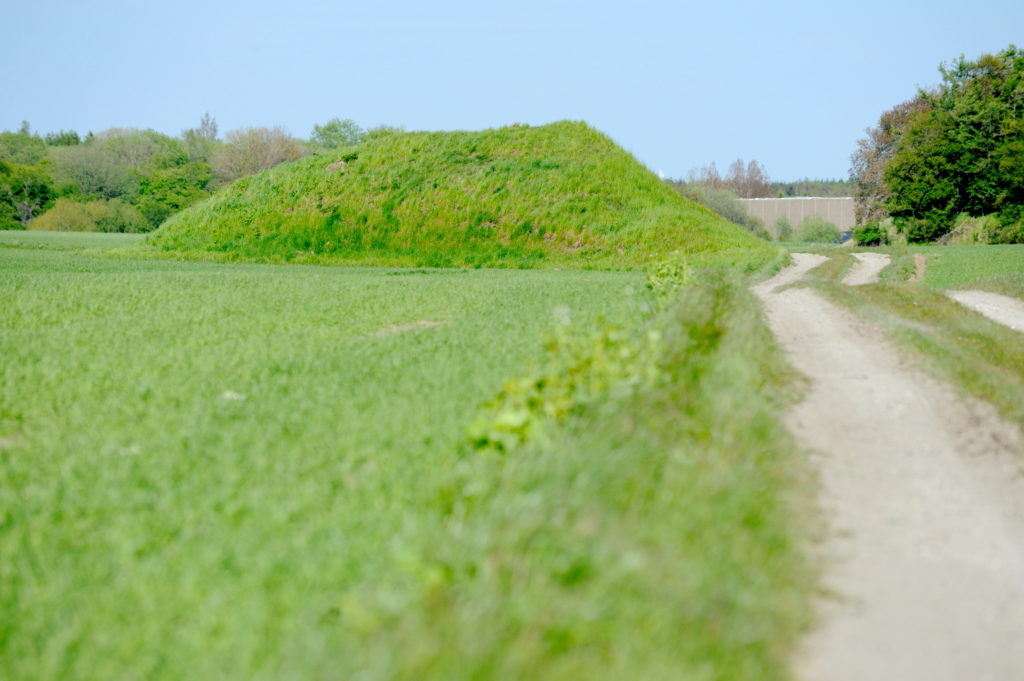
924	501
999	308
866	269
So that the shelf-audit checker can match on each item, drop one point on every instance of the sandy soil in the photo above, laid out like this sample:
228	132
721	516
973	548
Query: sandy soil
924	499
866	269
999	308
920	267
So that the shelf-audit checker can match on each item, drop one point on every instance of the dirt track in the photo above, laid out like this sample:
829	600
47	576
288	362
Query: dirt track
924	501
1003	309
866	269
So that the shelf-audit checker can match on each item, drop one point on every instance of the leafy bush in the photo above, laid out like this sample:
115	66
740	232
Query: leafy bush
95	216
870	234
926	229
784	229
971	230
25	191
1010	228
817	230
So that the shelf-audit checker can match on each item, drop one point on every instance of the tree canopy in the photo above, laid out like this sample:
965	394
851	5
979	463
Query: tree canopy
956	149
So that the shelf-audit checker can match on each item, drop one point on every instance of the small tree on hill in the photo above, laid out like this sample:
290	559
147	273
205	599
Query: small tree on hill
336	133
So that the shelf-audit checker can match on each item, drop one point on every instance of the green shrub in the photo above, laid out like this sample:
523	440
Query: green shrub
784	229
817	230
870	234
971	230
95	216
1010	228
926	229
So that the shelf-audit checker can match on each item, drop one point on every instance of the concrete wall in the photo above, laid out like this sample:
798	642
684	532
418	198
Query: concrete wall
837	210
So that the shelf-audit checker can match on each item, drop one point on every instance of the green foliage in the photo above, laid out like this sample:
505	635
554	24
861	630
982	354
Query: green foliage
813	229
64	138
383	131
668	277
166	191
95	216
21	148
870	234
808	187
783	228
337	133
962	154
986	229
514	196
95	171
25	191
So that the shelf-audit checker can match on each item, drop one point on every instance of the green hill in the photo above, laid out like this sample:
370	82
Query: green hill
556	195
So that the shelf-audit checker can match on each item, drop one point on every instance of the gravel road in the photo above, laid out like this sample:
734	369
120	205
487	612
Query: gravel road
999	308
866	269
924	500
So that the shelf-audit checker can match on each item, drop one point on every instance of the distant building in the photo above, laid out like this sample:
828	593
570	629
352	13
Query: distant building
837	210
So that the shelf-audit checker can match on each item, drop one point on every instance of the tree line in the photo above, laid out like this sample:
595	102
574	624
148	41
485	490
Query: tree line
131	180
950	152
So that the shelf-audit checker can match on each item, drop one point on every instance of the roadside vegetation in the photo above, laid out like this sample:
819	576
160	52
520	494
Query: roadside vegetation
556	195
260	471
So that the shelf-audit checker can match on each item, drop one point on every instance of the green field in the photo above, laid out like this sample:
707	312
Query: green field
68	240
276	472
998	268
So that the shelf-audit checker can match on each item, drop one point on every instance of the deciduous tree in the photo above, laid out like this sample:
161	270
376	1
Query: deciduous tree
336	133
250	150
868	162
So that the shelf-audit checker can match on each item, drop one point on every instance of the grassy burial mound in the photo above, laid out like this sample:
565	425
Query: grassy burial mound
557	195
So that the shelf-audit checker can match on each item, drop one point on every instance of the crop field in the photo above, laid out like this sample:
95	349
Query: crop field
998	268
277	471
67	240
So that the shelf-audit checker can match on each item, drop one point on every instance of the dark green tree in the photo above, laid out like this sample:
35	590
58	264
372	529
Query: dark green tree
165	191
963	152
25	191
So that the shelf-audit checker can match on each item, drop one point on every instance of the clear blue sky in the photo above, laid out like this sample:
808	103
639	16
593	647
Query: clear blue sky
679	84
